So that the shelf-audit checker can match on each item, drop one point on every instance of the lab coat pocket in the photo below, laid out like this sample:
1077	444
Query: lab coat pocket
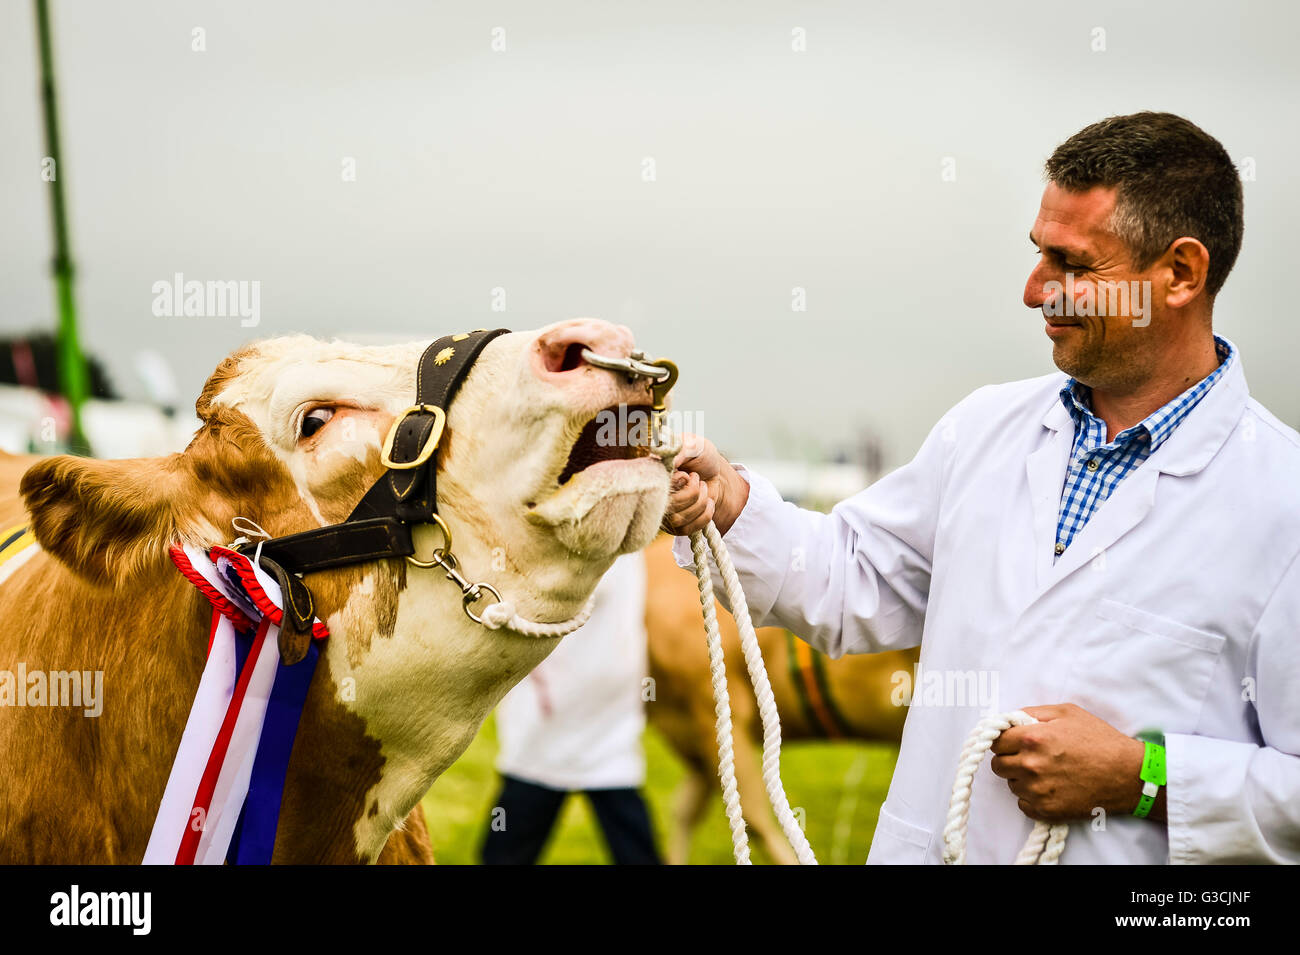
1138	670
897	842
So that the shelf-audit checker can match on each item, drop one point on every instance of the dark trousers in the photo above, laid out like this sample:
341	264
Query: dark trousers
525	814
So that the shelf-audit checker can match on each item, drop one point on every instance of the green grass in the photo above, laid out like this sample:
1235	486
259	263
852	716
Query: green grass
836	787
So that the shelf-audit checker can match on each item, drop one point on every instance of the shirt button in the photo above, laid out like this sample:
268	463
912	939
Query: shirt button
1060	548
1092	464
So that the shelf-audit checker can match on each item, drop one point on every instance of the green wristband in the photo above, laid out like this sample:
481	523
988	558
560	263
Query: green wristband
1153	776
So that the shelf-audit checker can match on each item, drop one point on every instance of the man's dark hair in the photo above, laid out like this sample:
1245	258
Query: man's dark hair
1172	179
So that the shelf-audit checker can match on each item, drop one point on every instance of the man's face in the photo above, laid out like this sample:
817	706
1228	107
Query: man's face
1105	334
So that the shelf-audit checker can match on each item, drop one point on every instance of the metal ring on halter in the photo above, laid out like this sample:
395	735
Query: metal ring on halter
474	595
437	559
632	367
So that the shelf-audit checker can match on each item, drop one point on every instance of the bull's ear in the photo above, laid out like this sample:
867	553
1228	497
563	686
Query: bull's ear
107	520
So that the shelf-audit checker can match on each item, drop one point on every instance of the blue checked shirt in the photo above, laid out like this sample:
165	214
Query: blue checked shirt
1096	468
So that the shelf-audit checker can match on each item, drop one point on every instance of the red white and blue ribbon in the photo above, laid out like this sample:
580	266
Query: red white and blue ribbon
222	802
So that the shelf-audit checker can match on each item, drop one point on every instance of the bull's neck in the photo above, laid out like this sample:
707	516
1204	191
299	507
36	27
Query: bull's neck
421	693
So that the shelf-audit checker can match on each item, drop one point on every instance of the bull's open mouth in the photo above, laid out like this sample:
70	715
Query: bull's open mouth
618	433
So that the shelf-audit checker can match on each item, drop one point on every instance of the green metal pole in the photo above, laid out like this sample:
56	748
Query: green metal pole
73	379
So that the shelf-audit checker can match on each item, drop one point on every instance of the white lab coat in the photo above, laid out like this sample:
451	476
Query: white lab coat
576	721
1177	607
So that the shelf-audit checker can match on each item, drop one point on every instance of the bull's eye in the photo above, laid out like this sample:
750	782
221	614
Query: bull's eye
314	420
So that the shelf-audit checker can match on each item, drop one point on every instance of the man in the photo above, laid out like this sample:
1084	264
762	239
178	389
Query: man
1119	544
575	725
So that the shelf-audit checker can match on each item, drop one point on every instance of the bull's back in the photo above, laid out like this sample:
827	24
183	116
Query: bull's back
12	469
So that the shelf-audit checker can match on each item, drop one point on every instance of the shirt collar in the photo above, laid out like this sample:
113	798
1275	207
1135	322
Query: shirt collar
1160	424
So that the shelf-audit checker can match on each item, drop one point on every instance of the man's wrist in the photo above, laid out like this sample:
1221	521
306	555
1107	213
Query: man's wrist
1152	777
735	495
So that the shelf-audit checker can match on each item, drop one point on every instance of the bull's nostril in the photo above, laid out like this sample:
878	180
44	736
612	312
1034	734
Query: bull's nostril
562	356
572	357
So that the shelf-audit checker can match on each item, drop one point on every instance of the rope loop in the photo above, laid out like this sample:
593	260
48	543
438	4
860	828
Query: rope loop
253	528
502	616
1046	842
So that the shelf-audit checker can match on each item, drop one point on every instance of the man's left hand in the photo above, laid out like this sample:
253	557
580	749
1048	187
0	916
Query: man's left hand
1068	764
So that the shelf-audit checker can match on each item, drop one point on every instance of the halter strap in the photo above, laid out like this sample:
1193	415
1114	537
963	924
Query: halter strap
407	493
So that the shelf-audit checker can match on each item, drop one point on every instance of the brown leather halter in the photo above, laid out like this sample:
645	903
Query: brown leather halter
380	525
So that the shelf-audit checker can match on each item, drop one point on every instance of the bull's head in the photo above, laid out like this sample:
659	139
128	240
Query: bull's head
291	438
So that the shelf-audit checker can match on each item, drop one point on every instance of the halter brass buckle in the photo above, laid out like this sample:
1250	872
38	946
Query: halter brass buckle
431	445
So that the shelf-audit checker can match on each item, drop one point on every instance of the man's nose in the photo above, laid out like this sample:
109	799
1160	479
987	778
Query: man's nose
557	353
1036	293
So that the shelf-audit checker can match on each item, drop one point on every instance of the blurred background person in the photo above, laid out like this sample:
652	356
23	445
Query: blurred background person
575	725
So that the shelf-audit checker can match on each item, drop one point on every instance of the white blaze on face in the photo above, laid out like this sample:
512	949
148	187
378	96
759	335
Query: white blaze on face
543	544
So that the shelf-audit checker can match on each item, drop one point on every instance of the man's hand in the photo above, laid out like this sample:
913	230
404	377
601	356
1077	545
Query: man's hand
704	487
1070	763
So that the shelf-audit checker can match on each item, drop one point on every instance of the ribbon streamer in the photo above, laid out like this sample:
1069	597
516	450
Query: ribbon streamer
222	801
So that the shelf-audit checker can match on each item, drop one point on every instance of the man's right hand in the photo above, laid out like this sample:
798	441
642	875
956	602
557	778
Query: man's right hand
704	487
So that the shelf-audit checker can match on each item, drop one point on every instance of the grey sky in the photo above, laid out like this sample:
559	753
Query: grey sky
522	170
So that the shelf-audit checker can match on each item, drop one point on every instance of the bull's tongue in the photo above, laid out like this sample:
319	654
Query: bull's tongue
620	433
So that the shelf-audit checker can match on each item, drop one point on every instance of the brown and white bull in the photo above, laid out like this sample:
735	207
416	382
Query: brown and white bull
290	438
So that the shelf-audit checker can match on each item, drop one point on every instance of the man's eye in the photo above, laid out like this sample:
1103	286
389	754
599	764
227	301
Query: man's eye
314	420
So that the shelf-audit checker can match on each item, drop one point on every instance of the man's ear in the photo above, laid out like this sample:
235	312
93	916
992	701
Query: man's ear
107	520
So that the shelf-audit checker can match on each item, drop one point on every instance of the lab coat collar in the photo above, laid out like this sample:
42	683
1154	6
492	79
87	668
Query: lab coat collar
1207	426
1188	450
1201	434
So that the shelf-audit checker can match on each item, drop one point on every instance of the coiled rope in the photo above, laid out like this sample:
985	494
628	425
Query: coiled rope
1045	843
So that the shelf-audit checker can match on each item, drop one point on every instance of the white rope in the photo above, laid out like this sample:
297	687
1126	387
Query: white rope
762	692
254	528
666	447
722	704
1045	843
502	615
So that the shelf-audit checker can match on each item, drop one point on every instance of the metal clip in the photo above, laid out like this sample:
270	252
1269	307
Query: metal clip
659	390
633	366
659	403
471	593
661	372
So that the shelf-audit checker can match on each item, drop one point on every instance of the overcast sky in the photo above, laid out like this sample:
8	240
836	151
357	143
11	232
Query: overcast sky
524	169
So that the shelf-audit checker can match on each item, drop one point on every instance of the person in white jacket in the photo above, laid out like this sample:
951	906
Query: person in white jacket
575	724
1114	548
